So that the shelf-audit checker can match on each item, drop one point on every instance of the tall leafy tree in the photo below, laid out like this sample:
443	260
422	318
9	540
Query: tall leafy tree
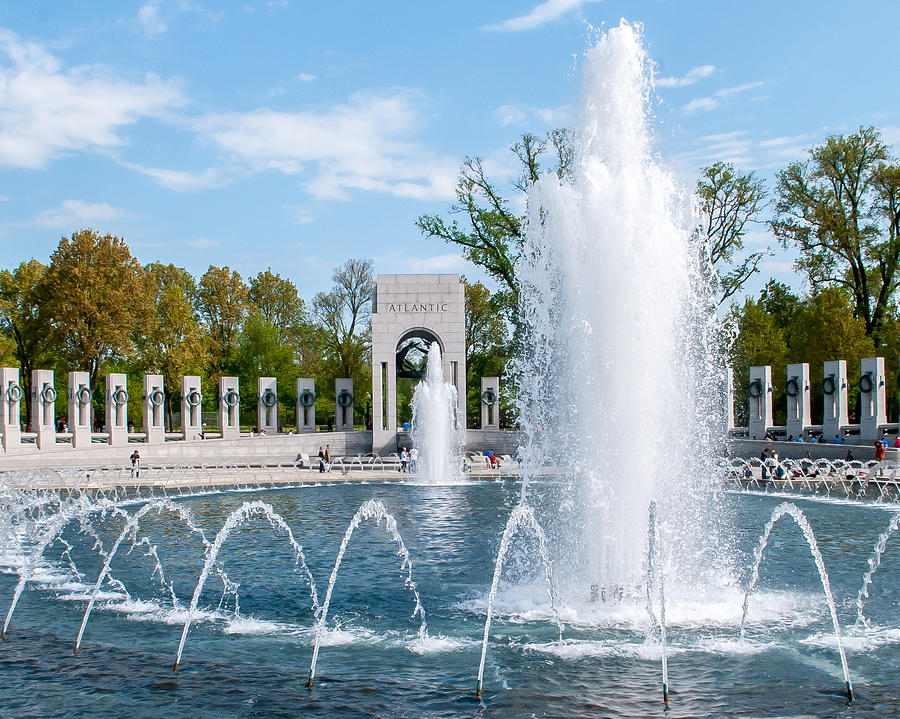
174	343
344	317
484	224
20	298
729	200
95	300
277	301
487	344
840	209
222	299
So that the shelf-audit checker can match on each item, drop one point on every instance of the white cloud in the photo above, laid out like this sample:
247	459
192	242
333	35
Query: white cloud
366	143
521	115
73	215
149	18
448	263
183	180
703	104
47	111
201	243
300	214
700	104
306	77
693	75
510	115
539	15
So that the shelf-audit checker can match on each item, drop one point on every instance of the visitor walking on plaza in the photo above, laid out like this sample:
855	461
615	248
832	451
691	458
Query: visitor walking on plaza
879	450
404	461
135	464
414	460
328	457
321	459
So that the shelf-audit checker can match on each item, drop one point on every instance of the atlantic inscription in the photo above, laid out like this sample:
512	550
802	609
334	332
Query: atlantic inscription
420	307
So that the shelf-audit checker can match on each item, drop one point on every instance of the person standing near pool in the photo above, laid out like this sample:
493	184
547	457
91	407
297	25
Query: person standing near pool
414	460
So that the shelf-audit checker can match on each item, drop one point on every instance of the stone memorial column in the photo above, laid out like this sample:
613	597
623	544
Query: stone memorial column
154	409
267	405
834	395
117	408
229	408
490	403
43	407
306	404
79	399
343	405
10	409
872	401
191	412
797	390
760	401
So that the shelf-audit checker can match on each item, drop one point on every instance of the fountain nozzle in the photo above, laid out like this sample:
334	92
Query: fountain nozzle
849	691
665	694
478	690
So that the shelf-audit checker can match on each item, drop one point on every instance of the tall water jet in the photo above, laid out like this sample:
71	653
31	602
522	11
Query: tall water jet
435	434
619	383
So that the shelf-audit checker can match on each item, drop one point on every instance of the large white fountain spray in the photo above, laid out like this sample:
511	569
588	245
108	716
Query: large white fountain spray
434	431
618	379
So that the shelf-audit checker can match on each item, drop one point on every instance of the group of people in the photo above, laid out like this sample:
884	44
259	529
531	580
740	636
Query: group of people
324	458
409	460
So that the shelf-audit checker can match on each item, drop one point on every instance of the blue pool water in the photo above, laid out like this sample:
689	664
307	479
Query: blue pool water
372	663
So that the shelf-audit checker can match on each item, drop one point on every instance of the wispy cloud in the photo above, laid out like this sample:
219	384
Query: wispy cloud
741	148
700	104
695	74
366	143
183	180
306	77
522	115
149	19
72	215
539	15
703	104
201	243
448	263
47	111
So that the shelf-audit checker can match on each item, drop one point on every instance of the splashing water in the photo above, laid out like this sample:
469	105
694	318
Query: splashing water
619	383
792	510
873	564
521	516
246	512
435	432
131	528
370	509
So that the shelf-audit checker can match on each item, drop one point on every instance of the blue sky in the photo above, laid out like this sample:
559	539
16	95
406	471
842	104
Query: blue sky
296	134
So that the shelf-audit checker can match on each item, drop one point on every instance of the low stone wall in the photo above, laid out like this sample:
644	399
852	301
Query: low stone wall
800	450
277	448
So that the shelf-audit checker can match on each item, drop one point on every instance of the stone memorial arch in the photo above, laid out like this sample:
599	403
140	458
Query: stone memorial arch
409	312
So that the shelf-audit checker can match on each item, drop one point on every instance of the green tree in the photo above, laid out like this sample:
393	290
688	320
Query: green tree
760	341
261	353
824	328
95	300
20	298
174	342
487	346
344	317
489	231
275	299
728	199
222	299
840	209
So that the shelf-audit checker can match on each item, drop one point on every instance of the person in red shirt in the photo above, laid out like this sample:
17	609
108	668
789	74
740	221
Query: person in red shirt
879	449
